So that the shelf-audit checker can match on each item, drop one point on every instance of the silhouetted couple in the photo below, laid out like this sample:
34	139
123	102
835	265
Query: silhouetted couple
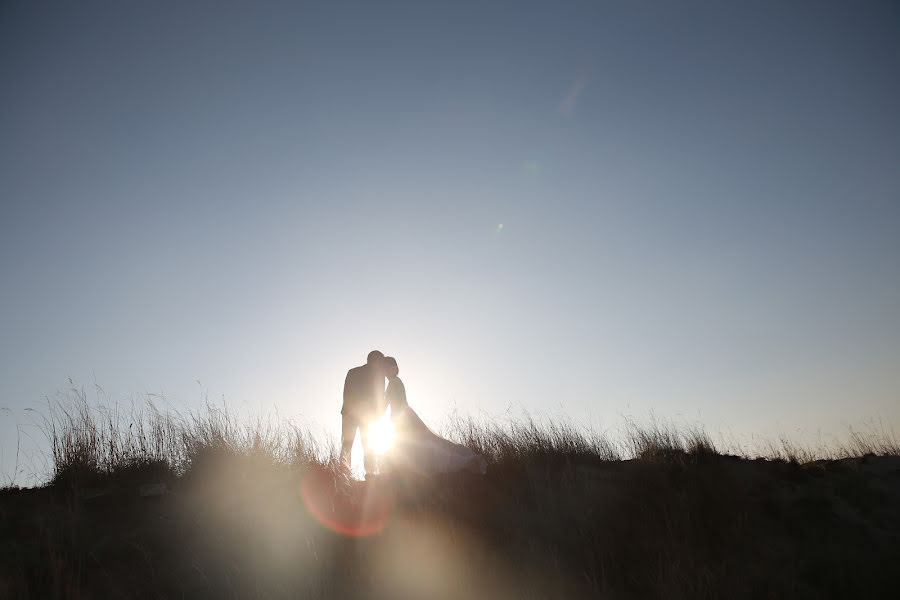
415	447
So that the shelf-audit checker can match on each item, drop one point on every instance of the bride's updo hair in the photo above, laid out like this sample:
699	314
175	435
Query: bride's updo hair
390	361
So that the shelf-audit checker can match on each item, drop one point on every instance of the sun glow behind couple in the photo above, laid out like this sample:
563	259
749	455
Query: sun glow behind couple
381	440
381	427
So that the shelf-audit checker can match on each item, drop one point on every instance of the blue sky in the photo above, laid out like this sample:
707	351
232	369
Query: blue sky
700	207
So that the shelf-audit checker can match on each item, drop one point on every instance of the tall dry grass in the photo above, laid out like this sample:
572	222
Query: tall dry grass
559	514
91	440
526	439
94	440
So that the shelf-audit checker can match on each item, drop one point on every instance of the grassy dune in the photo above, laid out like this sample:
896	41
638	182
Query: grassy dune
158	505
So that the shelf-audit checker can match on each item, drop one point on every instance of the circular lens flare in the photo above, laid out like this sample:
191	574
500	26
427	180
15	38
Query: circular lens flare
360	511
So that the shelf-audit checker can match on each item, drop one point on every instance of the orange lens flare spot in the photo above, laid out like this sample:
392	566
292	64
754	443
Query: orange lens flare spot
362	511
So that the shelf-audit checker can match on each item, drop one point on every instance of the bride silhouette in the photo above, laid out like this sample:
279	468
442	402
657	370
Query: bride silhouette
416	448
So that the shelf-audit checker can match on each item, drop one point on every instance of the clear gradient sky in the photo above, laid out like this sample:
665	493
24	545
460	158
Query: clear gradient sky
594	208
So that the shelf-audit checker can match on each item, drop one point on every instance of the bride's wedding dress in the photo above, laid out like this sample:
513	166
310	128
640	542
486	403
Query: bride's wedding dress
418	449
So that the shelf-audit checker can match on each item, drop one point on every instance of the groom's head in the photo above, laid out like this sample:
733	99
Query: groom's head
375	359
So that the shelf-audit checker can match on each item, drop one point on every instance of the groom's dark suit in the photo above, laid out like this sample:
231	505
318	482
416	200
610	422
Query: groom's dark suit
363	403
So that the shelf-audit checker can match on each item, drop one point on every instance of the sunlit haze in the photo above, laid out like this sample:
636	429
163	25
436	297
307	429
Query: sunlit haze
589	209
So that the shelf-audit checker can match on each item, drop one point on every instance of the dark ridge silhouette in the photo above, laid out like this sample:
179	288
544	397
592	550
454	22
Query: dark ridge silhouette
159	505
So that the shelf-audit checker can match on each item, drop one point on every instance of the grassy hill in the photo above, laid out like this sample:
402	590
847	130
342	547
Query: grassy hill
203	507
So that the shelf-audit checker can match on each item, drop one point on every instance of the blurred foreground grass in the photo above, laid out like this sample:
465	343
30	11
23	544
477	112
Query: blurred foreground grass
156	505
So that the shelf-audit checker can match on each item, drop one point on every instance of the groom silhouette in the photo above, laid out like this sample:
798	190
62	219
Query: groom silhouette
363	404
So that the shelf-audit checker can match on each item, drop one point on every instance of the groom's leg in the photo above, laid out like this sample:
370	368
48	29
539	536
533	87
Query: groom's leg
349	425
369	458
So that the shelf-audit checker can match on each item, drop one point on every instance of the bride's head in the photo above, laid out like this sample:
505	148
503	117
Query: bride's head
390	367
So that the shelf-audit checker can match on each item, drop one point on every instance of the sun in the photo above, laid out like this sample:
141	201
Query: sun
381	434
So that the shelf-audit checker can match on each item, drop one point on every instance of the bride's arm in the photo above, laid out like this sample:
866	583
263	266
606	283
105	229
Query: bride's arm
396	397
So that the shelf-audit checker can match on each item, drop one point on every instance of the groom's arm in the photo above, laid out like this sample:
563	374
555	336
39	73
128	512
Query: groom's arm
348	388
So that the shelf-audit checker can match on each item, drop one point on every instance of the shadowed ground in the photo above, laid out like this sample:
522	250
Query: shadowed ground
675	524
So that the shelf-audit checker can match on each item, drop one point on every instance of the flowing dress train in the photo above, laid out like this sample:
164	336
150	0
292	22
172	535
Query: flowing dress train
418	449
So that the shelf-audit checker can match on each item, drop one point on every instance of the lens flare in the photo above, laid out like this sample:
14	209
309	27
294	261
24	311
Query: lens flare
360	511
